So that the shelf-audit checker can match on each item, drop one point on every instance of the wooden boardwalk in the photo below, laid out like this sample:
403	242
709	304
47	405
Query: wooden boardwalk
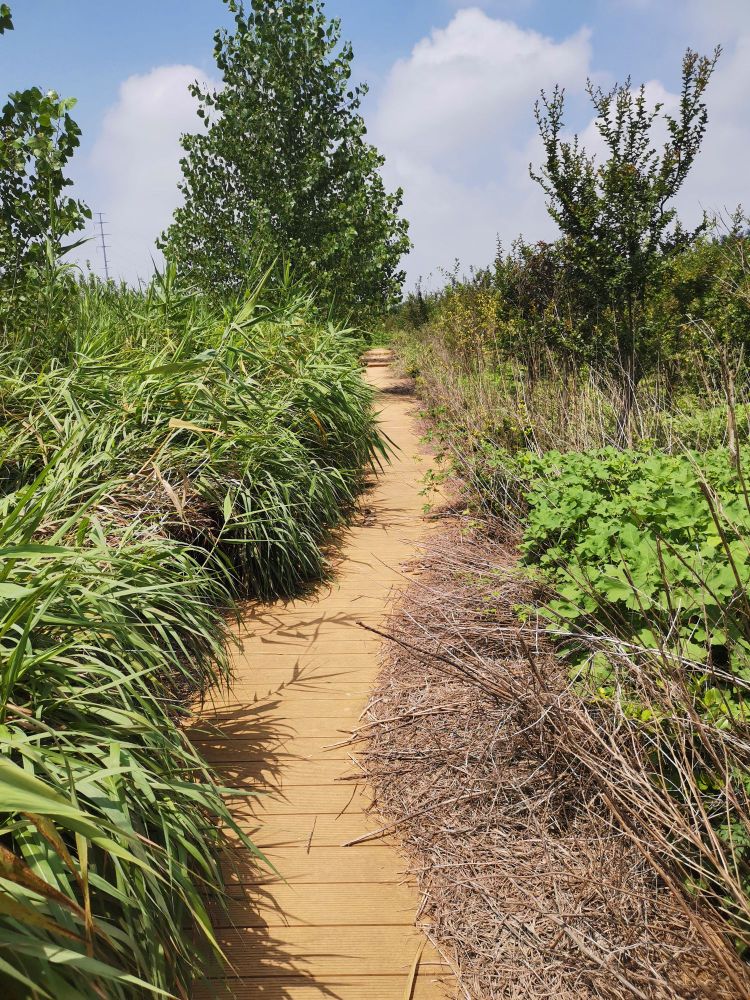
340	923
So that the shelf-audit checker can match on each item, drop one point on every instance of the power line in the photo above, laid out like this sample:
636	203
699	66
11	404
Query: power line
103	246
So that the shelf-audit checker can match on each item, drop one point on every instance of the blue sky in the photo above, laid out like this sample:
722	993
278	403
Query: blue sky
452	87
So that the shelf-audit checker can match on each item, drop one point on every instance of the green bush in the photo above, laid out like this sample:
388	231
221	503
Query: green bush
648	544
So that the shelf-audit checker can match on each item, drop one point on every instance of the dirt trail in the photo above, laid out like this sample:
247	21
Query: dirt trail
341	925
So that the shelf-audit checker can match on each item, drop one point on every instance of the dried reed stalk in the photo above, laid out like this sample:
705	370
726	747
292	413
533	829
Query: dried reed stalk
544	860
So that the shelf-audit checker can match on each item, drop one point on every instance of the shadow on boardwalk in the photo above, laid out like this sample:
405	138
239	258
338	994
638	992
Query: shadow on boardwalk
250	747
339	922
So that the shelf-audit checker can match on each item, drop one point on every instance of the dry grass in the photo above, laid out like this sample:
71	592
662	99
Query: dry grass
482	401
505	792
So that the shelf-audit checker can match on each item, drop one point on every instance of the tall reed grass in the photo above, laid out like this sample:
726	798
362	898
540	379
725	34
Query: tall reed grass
158	463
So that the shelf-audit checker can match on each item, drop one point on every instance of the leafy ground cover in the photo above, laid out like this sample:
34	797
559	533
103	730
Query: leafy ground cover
647	557
157	464
650	544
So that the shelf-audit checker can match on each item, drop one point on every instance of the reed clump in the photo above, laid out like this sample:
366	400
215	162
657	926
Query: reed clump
159	462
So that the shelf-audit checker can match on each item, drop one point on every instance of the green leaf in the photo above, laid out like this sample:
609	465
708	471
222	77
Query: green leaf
13	591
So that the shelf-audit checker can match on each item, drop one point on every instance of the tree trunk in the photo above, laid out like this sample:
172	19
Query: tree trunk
629	378
625	416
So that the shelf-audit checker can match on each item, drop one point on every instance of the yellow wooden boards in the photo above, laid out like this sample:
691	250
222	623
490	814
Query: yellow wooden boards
365	987
339	924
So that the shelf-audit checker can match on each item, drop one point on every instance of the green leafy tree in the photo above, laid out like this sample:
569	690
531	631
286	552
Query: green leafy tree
618	222
37	139
283	168
6	19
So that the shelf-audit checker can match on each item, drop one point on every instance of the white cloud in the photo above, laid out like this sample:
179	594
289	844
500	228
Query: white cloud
455	122
473	82
132	172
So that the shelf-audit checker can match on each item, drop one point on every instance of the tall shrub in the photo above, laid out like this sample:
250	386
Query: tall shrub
618	220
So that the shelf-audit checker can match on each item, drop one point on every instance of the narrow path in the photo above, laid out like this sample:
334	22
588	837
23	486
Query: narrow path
341	924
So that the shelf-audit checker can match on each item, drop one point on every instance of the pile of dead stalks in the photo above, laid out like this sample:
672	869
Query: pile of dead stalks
536	838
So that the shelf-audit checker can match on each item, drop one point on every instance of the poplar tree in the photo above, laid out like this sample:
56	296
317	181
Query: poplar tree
282	167
38	137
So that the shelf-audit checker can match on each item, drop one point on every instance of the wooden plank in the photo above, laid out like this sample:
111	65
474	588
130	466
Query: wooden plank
339	709
306	800
282	749
341	661
271	645
333	951
269	680
303	987
310	632
308	690
278	670
338	598
298	747
321	622
284	830
275	825
256	659
317	906
248	663
259	698
268	728
342	866
273	775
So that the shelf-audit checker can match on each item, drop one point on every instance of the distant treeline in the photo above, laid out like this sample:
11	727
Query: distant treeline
529	306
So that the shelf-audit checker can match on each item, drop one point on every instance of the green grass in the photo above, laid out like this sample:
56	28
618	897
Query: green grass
157	463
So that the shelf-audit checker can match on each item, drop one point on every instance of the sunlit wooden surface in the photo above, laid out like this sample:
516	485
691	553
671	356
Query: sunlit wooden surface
340	922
